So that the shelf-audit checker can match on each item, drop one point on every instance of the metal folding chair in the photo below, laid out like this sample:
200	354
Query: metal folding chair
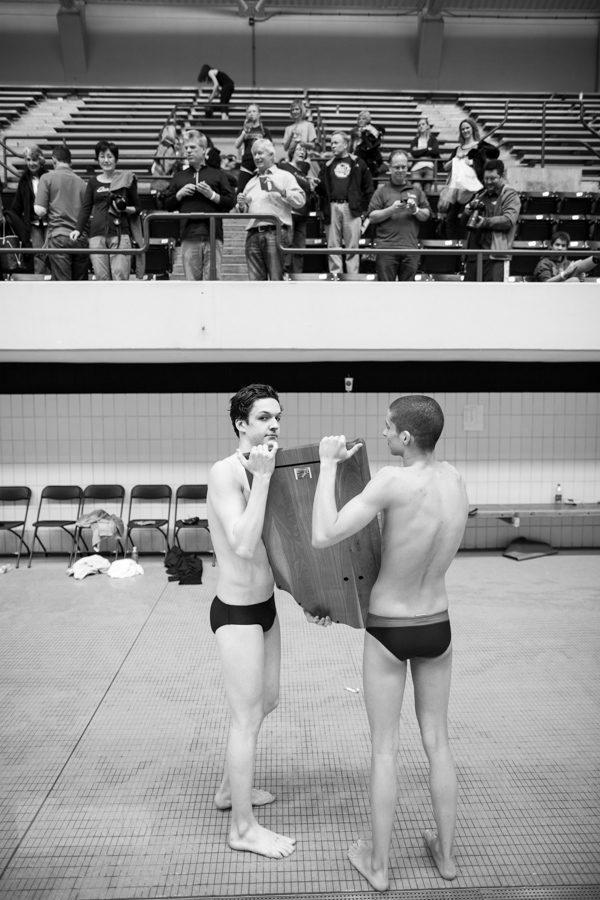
57	493
14	495
143	493
100	493
193	492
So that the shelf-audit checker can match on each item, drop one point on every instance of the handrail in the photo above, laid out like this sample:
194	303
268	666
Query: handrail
480	254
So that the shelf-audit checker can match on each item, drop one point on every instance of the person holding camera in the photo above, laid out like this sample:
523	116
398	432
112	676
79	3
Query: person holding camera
111	200
396	209
274	192
492	222
199	189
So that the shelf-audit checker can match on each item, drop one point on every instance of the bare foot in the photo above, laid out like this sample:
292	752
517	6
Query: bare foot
259	798
447	869
359	854
264	842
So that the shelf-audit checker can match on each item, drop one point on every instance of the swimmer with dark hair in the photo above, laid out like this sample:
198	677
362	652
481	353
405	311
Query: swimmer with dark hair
425	509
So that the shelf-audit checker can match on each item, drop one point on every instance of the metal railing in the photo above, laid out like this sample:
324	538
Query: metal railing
479	254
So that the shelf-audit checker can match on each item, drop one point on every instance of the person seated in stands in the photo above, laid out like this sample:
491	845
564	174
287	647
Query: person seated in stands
221	85
396	209
345	186
492	222
558	268
475	153
273	192
253	130
111	206
424	149
59	197
298	166
365	142
22	205
199	188
301	130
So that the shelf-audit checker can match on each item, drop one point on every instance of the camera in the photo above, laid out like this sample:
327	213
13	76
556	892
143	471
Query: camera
477	206
118	202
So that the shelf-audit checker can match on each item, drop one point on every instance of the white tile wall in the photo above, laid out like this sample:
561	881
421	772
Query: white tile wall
528	444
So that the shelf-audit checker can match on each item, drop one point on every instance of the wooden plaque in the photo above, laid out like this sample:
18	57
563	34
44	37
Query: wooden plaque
336	581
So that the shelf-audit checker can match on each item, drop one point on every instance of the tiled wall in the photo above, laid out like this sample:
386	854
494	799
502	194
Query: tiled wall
529	442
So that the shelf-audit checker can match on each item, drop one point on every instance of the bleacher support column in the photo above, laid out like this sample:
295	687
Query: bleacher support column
72	34
429	55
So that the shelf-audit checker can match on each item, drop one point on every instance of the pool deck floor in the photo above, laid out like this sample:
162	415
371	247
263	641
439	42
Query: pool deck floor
114	723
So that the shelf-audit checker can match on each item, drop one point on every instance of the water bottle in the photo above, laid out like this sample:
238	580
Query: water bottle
558	498
134	554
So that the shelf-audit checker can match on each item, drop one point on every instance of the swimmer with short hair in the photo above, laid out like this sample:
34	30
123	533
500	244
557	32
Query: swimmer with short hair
425	508
243	616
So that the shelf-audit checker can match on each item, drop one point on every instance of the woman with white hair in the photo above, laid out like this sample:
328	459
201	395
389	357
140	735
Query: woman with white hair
22	205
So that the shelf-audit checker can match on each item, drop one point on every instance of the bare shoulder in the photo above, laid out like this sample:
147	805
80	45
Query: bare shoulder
223	473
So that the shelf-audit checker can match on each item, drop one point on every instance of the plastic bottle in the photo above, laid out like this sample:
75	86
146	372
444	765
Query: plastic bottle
134	554
558	497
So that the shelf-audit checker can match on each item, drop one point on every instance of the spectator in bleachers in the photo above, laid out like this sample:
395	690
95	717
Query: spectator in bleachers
222	86
275	192
301	130
365	142
345	187
229	164
59	197
396	209
22	205
111	200
298	166
199	189
558	268
475	153
424	149
495	211
253	130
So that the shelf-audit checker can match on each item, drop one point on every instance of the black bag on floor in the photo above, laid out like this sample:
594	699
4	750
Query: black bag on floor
186	568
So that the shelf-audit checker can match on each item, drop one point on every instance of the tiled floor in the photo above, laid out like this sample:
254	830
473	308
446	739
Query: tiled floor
113	730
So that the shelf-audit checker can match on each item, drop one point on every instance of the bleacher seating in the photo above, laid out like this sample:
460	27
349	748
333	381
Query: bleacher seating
522	132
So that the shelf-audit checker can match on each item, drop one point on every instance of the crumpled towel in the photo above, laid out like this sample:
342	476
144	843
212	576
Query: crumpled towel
125	568
103	524
88	565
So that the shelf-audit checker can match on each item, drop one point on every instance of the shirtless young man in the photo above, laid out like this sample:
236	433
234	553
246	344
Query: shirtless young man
243	615
425	509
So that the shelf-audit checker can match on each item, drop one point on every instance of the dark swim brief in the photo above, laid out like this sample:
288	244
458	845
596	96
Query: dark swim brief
262	614
427	636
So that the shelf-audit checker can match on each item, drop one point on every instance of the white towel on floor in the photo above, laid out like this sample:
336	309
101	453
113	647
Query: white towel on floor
124	568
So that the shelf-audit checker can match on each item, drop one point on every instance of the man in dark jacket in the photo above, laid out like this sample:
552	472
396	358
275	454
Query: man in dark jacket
205	189
346	187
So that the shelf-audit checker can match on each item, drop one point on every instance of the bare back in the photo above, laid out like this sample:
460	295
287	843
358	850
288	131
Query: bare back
424	521
241	581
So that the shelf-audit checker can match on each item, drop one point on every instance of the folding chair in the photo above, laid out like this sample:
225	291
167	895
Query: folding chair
444	264
100	493
14	495
535	228
57	493
577	227
577	203
525	265
195	492
143	493
543	203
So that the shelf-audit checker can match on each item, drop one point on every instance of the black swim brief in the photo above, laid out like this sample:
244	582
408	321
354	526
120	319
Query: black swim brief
427	636
262	614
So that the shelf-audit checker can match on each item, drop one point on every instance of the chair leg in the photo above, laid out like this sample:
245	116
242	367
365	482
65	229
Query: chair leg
35	538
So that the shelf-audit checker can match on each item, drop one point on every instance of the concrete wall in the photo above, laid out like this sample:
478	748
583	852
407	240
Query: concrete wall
156	45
